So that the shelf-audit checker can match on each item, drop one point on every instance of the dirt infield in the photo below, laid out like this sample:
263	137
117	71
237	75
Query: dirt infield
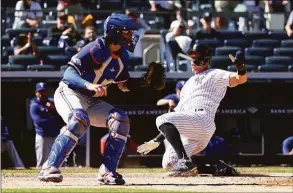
244	183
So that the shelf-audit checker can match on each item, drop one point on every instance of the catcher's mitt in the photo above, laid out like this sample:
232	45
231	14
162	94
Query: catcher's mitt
155	75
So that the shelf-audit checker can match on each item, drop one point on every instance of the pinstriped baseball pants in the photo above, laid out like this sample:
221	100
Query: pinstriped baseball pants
195	128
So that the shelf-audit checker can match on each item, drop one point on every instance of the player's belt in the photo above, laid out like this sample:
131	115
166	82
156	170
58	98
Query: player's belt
196	110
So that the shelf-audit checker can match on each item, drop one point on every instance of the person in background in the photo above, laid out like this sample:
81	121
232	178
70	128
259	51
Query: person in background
61	28
27	14
142	28
289	25
69	37
89	36
46	121
24	45
225	6
8	146
172	99
287	146
207	32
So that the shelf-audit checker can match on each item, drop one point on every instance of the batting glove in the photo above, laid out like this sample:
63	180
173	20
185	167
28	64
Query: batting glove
148	147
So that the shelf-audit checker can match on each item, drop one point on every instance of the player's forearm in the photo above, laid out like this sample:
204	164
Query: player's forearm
72	77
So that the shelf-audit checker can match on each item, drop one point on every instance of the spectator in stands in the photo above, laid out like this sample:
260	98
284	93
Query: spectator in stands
142	28
289	25
172	99
161	5
46	121
207	31
27	14
69	37
61	28
24	44
225	6
177	34
220	23
8	146
287	146
73	8
89	36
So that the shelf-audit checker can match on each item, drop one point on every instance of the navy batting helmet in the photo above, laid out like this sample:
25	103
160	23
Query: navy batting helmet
200	54
119	29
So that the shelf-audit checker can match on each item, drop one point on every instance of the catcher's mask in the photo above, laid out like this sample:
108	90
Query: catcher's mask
121	29
200	55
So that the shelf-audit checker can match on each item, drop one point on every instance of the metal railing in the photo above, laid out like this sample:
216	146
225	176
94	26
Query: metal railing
146	51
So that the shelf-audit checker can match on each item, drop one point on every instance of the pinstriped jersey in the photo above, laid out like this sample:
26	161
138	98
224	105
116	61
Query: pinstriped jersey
204	90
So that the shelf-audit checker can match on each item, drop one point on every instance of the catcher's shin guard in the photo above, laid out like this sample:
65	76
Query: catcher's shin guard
118	122
66	141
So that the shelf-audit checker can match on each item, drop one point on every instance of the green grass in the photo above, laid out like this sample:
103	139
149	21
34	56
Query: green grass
88	190
265	169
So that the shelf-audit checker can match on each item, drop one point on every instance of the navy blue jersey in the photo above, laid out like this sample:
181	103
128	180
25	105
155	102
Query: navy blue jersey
173	97
95	64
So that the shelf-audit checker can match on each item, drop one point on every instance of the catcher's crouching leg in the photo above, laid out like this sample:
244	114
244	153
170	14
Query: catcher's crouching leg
78	123
119	125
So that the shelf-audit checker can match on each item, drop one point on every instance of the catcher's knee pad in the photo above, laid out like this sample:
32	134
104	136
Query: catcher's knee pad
118	123
78	122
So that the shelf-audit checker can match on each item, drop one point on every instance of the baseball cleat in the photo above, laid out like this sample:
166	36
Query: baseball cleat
111	179
50	174
224	169
184	168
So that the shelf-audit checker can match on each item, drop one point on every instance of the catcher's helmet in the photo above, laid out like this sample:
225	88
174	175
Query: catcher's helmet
118	29
200	54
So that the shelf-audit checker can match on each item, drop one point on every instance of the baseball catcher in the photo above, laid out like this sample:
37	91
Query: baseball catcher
77	99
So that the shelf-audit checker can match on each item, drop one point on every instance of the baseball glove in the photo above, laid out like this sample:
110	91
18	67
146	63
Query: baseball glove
155	75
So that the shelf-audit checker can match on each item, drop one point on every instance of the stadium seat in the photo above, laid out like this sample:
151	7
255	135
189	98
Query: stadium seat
49	50
287	43
56	60
15	32
4	59
258	51
70	51
272	68
133	61
252	35
7	51
283	52
220	62
24	60
226	34
13	67
140	68
267	43
226	50
39	67
279	60
210	42
238	42
38	40
249	67
254	60
5	41
279	35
